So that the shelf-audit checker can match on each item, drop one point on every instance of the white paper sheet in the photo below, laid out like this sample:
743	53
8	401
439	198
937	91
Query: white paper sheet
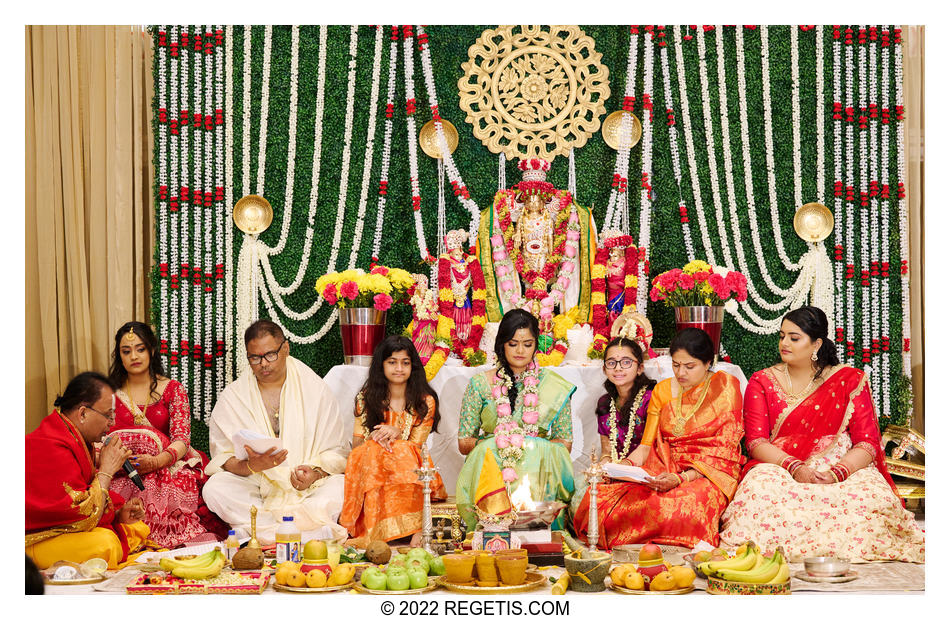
258	442
627	472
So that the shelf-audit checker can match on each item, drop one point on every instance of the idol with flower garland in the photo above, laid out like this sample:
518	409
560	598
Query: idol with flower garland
515	425
613	284
425	317
461	300
536	247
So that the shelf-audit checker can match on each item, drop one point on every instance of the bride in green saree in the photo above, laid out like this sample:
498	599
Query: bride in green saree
519	415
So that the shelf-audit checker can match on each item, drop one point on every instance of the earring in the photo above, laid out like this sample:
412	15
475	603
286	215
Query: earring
814	356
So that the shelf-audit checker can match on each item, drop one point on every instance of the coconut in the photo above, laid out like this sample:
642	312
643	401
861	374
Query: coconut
248	559
378	552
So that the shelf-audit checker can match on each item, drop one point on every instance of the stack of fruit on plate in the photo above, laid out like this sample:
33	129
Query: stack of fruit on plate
652	573
747	570
403	572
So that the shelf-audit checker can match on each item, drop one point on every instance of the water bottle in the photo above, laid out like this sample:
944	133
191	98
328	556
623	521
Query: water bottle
288	541
231	545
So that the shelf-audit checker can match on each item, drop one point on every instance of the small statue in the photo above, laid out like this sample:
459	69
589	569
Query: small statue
613	283
461	299
534	233
425	317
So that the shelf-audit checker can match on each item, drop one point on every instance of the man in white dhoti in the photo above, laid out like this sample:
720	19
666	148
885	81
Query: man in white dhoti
278	397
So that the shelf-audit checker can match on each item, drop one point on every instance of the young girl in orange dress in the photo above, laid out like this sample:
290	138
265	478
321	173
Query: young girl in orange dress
395	411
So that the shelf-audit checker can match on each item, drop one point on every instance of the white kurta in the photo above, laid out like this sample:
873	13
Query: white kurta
311	431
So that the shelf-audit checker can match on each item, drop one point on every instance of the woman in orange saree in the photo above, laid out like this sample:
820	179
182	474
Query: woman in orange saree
690	447
396	410
818	484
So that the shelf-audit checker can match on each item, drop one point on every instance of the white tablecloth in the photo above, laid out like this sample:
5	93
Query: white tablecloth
450	383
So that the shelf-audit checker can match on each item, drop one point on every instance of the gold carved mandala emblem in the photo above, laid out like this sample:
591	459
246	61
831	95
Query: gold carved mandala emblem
533	91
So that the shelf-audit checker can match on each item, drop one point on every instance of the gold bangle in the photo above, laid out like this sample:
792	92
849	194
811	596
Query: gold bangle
248	463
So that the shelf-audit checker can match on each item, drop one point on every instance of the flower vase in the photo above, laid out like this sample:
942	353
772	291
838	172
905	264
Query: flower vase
362	329
706	318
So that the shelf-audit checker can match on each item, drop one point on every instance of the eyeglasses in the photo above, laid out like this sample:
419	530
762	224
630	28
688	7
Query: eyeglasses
109	415
270	356
626	362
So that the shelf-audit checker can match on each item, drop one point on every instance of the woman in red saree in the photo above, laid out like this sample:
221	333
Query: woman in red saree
817	484
691	448
153	418
395	412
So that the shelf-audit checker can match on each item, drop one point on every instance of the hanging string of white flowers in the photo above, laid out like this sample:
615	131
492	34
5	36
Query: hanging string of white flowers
849	199
163	192
387	148
174	263
885	206
265	112
838	130
646	191
411	137
370	148
197	211
184	357
675	153
618	190
903	220
796	120
230	335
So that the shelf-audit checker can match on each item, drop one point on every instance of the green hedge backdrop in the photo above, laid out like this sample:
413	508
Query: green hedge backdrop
479	168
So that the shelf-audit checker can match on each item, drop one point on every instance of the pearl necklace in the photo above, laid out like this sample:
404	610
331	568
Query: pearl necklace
614	421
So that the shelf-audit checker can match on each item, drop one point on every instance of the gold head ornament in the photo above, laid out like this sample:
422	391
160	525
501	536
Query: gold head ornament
130	335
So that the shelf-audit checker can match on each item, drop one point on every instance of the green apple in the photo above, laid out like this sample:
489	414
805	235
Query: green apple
315	550
418	562
436	566
416	552
374	579
418	578
397	579
397	559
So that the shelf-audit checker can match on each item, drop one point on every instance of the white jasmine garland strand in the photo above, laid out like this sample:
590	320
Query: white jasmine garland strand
690	149
502	183
265	112
370	147
796	120
387	148
175	189
753	219
196	233
838	126
411	134
770	153
274	316
288	207
862	183
903	218
729	175
849	182
451	169
622	161
314	190
344	184
222	224
820	109
873	326
246	108
885	205
674	149
184	287
163	131
646	202
230	343
207	343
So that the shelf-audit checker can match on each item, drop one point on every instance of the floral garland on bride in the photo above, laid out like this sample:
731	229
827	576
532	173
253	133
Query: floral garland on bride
509	433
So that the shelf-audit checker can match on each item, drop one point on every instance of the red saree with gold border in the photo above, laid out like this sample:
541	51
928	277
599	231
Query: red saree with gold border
630	512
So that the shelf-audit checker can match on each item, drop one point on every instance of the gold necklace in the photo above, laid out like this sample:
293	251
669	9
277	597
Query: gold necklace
680	424
795	397
615	421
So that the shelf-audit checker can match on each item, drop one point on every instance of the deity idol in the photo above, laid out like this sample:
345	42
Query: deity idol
536	247
614	282
425	317
461	297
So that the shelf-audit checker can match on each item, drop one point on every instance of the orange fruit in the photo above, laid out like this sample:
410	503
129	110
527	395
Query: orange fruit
662	582
633	581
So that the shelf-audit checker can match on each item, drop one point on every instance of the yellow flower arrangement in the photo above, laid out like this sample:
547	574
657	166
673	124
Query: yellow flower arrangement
696	266
597	298
445	327
434	365
375	283
401	279
562	323
598	271
554	358
630	281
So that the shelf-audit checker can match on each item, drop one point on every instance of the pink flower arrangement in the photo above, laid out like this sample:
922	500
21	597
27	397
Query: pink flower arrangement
382	302
329	293
698	284
350	289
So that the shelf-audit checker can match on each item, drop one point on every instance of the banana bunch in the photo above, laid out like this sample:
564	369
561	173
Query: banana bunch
749	566
204	566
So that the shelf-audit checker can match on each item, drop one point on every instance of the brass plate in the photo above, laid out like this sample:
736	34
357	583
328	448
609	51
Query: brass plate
624	590
851	575
429	138
73	582
252	214
611	129
814	222
532	581
345	586
433	584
